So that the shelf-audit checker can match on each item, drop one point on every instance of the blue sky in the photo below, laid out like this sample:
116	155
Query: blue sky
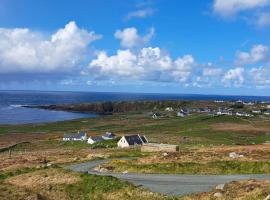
176	46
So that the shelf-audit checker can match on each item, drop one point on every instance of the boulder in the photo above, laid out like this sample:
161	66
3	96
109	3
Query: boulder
218	195
220	187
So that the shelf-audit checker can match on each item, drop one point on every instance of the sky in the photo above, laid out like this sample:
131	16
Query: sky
150	46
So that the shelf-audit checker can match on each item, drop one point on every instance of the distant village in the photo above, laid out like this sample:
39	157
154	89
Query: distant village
237	108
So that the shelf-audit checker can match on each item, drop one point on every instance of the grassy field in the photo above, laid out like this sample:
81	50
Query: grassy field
205	143
191	131
210	168
56	183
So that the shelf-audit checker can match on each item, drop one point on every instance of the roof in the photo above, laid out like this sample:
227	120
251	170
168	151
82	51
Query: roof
135	139
97	139
109	135
79	135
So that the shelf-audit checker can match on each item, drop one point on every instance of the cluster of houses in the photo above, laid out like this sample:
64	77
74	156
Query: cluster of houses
183	112
82	136
124	142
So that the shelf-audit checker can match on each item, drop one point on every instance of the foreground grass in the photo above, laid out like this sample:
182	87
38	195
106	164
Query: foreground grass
211	168
237	190
61	184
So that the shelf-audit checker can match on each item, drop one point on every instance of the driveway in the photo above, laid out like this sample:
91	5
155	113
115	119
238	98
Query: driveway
170	184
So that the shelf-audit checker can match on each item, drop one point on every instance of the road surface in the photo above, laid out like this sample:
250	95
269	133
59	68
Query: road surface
170	184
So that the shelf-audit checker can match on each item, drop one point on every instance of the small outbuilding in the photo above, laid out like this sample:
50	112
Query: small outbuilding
132	140
153	147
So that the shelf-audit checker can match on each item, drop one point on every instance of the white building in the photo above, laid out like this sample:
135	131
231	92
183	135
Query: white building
169	109
80	136
92	140
131	140
109	136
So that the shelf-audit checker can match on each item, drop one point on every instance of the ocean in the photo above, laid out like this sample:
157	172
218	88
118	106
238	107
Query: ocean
12	112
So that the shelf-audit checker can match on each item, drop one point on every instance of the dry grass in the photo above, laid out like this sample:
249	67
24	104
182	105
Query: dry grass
237	190
238	127
203	155
43	178
44	184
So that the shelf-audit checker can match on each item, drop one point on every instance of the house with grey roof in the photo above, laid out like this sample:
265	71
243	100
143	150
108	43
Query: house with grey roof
80	136
108	136
92	140
132	140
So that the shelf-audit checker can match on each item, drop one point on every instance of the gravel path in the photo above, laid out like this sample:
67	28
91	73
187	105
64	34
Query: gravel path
171	184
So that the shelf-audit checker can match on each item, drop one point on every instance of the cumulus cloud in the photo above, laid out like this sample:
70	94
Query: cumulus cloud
228	8
141	13
210	71
234	77
260	76
147	64
130	38
258	53
26	51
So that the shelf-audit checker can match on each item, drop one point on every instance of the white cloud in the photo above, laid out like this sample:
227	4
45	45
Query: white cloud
263	19
234	77
212	71
147	64
258	53
183	68
228	8
130	38
26	51
260	76
142	13
124	63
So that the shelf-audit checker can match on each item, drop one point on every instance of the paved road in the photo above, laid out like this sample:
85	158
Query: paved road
170	184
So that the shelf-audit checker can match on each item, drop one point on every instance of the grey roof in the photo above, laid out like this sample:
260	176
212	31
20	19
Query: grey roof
109	135
144	139
135	139
79	135
97	139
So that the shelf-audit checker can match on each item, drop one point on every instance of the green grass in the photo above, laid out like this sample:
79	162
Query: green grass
217	167
8	174
93	186
197	127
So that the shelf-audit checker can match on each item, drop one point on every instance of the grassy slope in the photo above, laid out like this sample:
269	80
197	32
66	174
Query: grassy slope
216	167
41	184
196	127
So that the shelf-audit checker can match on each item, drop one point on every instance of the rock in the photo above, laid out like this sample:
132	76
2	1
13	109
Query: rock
48	164
232	155
218	195
124	172
76	159
235	155
165	154
267	198
103	170
220	187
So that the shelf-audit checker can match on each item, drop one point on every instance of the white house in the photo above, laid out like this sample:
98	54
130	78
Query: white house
240	114
109	136
256	111
131	140
267	112
92	140
181	114
169	109
80	136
